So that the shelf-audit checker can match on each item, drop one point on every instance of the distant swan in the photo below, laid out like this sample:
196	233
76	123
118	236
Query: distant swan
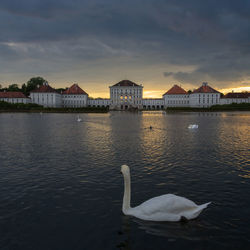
191	126
168	207
79	119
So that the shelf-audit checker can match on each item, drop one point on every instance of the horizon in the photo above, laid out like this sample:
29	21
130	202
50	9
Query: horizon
97	44
146	93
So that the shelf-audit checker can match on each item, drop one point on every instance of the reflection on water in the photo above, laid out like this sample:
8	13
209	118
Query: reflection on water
61	186
125	234
174	231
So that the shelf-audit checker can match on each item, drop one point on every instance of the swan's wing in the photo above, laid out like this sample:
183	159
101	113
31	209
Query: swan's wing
168	203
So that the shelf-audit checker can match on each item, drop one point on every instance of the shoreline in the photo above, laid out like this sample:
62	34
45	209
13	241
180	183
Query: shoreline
51	111
107	111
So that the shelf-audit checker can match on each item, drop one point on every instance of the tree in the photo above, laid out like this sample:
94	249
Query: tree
189	91
13	87
32	84
0	86
59	90
24	88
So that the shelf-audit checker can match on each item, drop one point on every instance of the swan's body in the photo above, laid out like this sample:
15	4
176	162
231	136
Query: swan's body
79	119
168	207
192	126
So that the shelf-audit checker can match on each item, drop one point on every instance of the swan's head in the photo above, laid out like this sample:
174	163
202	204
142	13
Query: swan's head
125	170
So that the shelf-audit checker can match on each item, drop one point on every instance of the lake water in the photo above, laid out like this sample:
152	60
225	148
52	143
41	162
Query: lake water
61	186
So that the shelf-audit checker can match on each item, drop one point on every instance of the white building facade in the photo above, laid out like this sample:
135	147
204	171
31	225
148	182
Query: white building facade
126	95
153	104
74	97
204	97
14	97
46	96
176	97
99	102
235	98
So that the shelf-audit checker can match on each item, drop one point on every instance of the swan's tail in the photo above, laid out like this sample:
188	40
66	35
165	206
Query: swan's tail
195	213
200	208
203	206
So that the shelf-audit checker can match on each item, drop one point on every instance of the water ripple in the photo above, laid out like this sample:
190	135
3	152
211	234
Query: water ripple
61	179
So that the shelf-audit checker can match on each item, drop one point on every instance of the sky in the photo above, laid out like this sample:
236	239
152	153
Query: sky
97	43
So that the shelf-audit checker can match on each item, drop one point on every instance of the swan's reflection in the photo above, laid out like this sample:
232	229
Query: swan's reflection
125	231
193	230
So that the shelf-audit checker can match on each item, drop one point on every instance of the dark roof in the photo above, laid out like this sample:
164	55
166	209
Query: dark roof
44	89
74	90
126	83
205	89
176	90
12	95
237	95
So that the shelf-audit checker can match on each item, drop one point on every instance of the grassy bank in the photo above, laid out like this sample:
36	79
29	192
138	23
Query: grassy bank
226	107
34	108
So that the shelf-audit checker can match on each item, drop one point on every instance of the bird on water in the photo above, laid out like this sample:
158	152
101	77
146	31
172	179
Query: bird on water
167	207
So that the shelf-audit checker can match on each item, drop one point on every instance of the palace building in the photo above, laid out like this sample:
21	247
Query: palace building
176	97
74	97
127	95
14	97
46	96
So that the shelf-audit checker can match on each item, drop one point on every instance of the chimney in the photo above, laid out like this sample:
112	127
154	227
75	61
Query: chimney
204	84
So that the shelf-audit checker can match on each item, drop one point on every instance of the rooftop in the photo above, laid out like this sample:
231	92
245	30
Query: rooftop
176	90
44	89
205	88
126	83
237	95
12	95
74	90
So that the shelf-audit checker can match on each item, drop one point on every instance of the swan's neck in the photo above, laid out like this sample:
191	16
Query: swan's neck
127	194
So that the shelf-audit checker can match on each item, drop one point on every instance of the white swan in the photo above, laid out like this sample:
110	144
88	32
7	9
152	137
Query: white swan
79	119
191	126
168	207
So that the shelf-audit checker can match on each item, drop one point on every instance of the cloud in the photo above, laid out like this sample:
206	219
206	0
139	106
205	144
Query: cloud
211	36
166	74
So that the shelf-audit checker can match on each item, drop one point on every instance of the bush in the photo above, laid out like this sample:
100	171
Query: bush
6	106
225	107
18	106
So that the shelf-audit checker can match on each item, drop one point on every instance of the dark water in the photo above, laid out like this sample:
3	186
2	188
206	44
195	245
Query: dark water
61	186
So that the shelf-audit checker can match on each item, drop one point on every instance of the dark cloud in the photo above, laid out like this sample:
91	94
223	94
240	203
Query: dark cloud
166	74
212	36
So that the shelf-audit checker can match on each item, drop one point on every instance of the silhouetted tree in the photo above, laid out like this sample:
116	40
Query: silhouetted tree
32	84
60	90
24	88
13	87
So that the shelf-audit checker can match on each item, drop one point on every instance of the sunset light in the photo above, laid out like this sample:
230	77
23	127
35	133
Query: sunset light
236	89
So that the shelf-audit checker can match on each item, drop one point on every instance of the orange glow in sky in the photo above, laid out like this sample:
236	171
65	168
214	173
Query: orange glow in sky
159	93
236	89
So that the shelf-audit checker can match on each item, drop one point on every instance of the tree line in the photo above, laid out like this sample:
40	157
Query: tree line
26	88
